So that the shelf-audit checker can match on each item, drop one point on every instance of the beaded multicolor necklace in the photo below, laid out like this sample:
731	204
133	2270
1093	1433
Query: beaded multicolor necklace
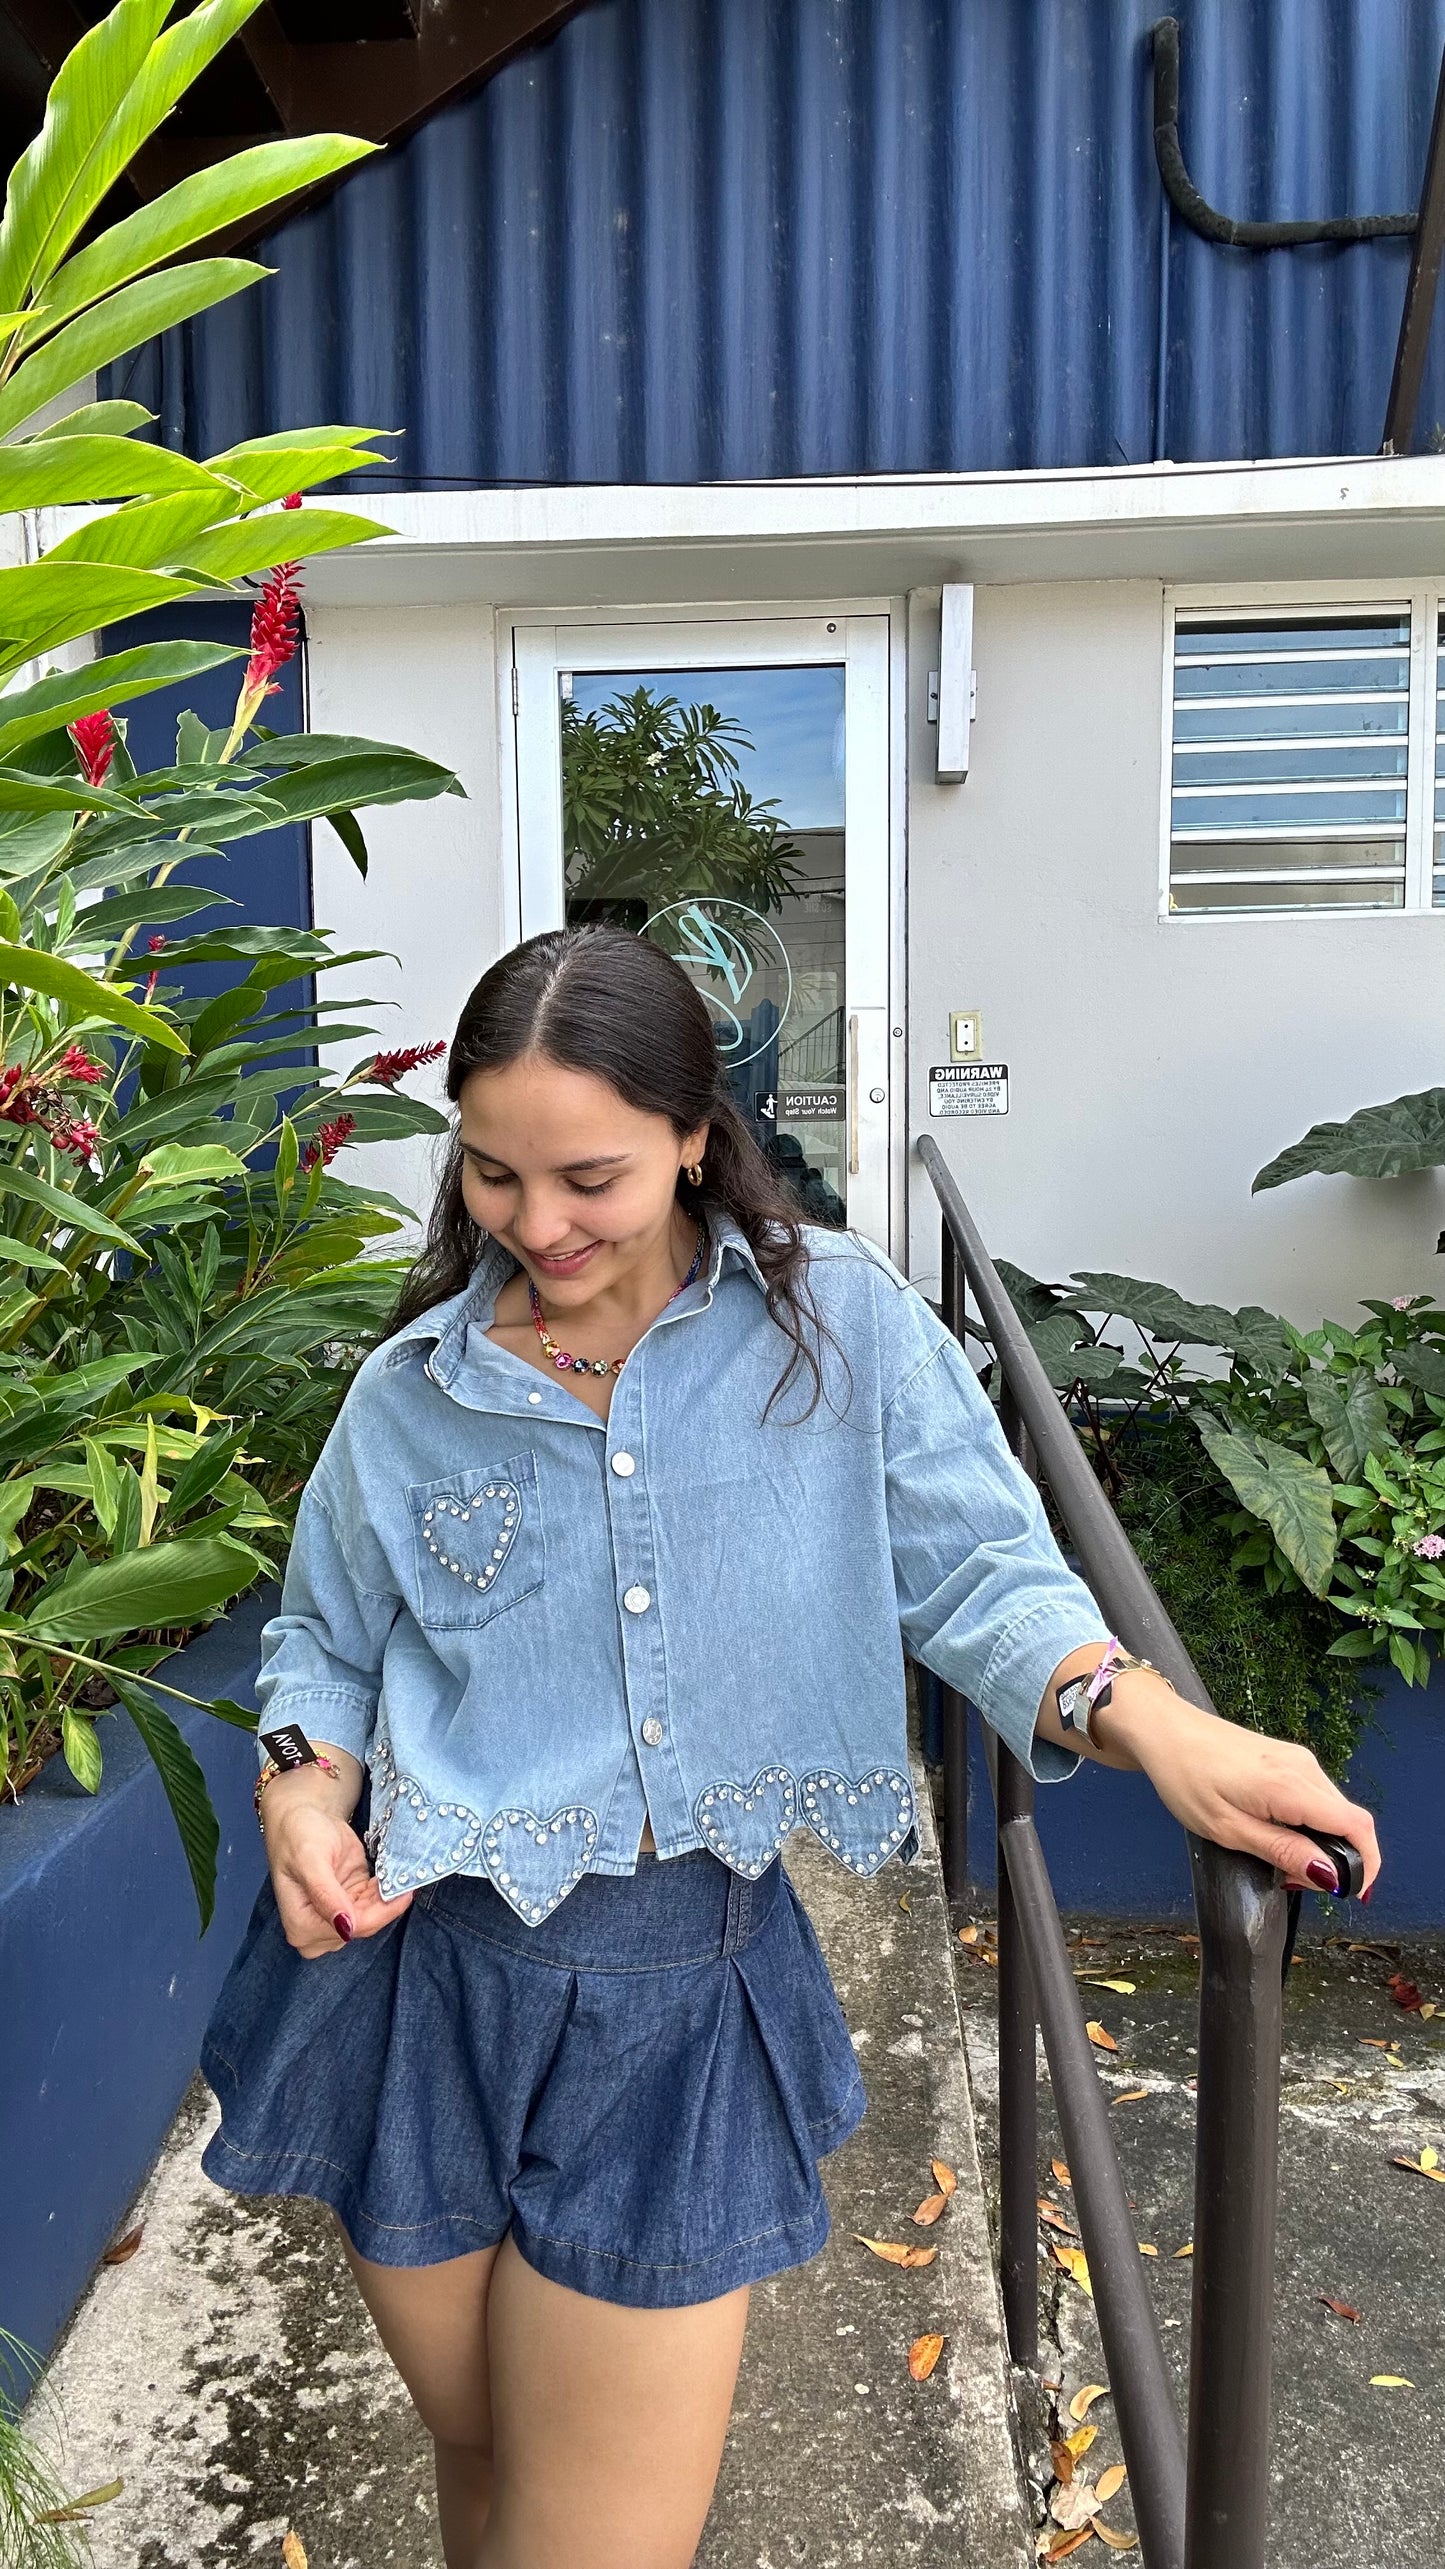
567	1364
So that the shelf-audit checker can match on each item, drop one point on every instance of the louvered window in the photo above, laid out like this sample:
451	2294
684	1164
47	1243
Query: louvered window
1290	755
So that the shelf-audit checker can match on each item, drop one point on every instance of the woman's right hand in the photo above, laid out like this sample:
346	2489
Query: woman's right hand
326	1892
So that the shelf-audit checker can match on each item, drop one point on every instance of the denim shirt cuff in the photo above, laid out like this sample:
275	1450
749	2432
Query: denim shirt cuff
342	1715
1020	1668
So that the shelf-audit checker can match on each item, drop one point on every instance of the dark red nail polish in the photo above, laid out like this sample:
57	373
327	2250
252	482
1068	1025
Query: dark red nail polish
343	1926
1367	1896
1324	1875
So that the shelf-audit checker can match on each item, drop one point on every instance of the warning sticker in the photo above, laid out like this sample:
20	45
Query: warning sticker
968	1088
819	1105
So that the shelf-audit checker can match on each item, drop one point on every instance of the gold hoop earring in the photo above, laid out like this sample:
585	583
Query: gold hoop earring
694	1175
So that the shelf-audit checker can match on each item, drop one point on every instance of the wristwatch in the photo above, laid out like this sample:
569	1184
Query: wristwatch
1079	1698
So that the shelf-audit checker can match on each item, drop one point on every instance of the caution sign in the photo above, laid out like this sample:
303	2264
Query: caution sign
968	1088
818	1105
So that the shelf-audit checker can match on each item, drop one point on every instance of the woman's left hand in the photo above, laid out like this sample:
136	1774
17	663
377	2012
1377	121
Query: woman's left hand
1230	1784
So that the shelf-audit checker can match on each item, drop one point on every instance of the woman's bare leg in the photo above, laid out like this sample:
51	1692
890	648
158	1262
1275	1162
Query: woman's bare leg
608	2423
432	2320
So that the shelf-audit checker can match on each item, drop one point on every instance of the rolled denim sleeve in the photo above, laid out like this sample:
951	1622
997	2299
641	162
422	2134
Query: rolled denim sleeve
321	1655
985	1597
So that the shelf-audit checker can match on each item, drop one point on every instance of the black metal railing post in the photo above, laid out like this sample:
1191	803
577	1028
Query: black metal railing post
1241	1933
1018	2085
1215	2513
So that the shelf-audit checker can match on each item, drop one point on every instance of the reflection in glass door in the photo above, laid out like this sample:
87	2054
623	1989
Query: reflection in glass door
707	802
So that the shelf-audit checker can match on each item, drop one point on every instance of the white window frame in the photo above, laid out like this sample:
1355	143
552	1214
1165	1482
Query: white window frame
1423	600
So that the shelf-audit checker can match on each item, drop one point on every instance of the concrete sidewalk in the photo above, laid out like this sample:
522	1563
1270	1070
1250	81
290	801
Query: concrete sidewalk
1356	2474
230	2375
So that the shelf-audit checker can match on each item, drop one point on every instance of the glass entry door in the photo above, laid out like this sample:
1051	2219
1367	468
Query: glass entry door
722	787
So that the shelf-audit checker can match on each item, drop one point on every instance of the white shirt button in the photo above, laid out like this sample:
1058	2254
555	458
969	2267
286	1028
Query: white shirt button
624	1466
637	1600
534	1397
652	1731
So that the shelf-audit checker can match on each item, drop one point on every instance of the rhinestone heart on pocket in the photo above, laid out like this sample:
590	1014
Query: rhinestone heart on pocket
535	1863
864	1819
496	1508
747	1824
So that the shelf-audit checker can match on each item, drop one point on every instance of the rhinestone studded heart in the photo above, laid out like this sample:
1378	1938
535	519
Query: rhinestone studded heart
864	1818
456	1554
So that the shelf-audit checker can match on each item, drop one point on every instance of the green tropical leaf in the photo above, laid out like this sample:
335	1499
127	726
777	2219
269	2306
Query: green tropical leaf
185	1788
269	472
81	1749
1288	1494
96	419
1032	1300
1351	1416
258	543
198	206
125	321
177	1582
103	684
348	829
177	1164
29	969
359	782
23	1253
1380	1141
388	1115
1424	1366
67	472
1351	1645
1154	1307
236	1714
44	604
70	1209
149	534
20	792
47	184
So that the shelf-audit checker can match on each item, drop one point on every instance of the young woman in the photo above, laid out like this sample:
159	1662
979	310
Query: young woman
600	1588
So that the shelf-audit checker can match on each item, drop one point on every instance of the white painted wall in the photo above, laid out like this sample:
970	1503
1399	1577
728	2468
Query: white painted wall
1154	1064
424	677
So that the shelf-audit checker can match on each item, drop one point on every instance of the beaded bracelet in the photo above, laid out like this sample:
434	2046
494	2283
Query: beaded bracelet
271	1770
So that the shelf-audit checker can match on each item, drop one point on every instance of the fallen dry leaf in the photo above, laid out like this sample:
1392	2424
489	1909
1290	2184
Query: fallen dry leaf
125	2248
1064	2543
943	2176
1145	2250
1050	2213
1061	2171
968	1935
1110	2482
1116	2541
1095	2031
894	2253
1430	2159
1424	2166
1130	2096
1428	2010
1404	1993
1072	2504
1341	2309
293	2552
1075	2263
930	2209
1374	2042
1077	2444
1390	2382
1063	2462
1093	1980
1083	2401
1187	2250
903	1904
923	2354
74	2509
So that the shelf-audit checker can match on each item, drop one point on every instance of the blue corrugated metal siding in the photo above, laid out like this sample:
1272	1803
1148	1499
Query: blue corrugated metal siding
699	239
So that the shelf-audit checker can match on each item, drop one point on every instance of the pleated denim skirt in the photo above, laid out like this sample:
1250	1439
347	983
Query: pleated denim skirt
639	2089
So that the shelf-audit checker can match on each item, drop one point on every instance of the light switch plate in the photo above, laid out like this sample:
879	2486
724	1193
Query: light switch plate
965	1034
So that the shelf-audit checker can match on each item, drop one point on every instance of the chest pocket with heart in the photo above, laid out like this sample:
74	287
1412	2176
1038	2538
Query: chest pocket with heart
477	1543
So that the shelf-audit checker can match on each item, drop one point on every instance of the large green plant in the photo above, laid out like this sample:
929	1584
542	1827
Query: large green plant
654	809
184	1283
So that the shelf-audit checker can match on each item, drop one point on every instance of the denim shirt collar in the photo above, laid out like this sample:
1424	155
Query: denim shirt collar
449	1324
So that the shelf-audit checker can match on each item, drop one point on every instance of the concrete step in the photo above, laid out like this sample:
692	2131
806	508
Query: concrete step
229	2374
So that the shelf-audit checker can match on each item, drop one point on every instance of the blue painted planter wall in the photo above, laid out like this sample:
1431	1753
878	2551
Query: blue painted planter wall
107	1984
1113	1850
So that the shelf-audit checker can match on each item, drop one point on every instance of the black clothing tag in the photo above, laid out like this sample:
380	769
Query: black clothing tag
289	1746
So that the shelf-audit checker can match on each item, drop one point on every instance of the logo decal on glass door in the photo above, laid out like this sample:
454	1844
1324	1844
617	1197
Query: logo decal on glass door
731	954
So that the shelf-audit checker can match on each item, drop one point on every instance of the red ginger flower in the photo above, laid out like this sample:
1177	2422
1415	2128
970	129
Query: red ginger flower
81	1137
292	500
94	738
388	1068
275	621
76	1065
17	1094
328	1141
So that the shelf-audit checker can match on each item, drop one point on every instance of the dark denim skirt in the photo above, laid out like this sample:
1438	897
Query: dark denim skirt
639	2089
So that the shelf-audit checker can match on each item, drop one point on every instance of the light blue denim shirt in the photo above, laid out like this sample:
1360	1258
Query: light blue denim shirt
537	1627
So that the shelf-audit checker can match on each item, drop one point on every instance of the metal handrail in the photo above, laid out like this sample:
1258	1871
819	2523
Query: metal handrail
1207	2508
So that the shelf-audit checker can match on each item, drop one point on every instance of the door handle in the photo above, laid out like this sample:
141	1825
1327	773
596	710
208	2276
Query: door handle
853	1096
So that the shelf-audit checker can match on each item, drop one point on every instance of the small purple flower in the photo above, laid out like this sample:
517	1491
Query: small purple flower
1399	1302
1429	1547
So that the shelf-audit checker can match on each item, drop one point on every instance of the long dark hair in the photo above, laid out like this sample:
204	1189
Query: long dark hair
602	1000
